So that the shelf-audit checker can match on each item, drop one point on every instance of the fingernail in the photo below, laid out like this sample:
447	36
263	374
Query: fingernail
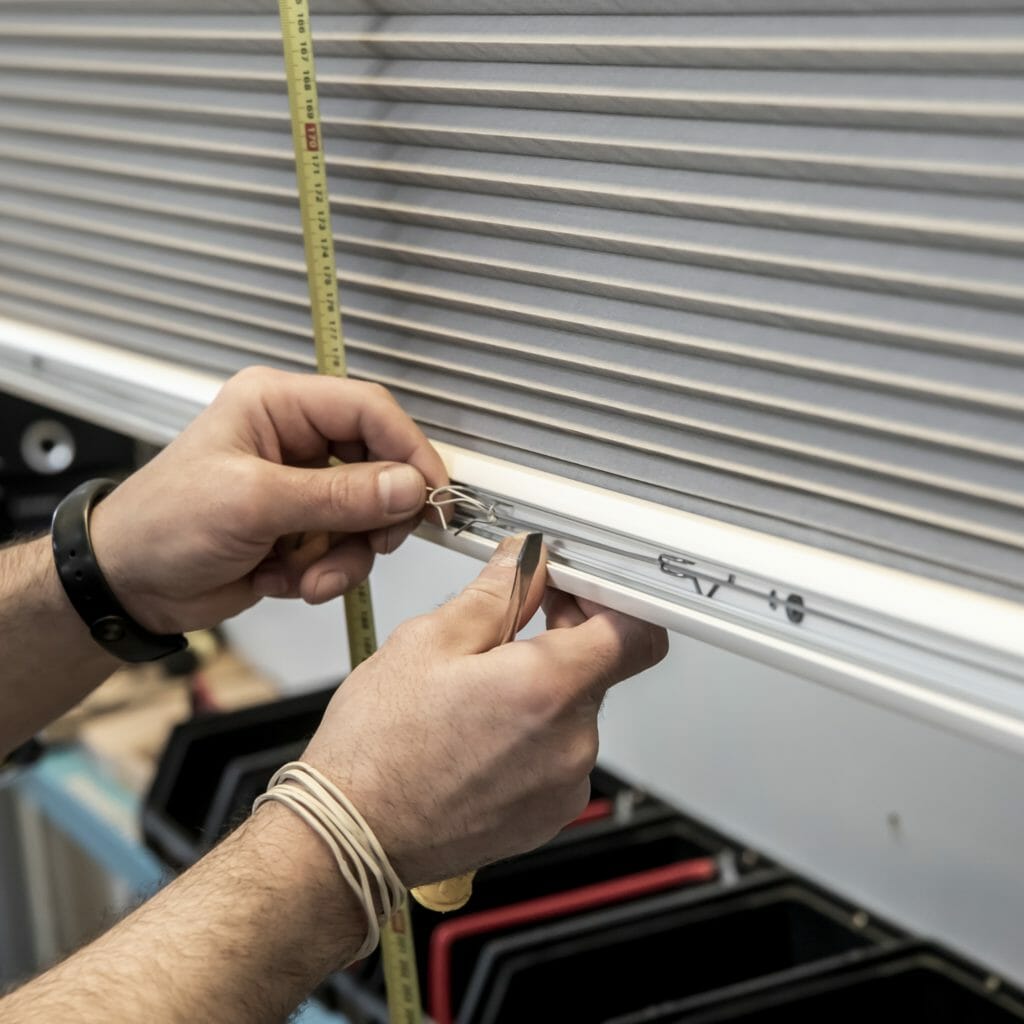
402	490
330	585
269	584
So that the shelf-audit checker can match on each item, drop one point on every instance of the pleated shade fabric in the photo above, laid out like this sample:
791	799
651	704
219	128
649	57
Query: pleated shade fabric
757	260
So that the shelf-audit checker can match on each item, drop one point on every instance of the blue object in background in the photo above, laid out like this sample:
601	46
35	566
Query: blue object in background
94	811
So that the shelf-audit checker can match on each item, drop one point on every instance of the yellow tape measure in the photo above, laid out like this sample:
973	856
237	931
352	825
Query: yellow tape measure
314	204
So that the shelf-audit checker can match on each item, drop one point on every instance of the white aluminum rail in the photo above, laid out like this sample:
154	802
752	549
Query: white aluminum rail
941	653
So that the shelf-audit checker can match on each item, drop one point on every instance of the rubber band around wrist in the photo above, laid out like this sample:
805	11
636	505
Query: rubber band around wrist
87	589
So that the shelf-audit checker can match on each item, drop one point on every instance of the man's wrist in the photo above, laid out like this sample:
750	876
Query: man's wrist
50	660
111	557
293	860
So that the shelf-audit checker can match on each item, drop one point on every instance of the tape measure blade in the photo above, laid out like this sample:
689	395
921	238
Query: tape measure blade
362	631
400	977
314	197
397	950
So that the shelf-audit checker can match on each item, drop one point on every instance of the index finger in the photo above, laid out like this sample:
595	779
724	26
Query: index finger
309	414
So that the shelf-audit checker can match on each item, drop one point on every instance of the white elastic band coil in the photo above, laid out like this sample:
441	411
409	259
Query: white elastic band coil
356	850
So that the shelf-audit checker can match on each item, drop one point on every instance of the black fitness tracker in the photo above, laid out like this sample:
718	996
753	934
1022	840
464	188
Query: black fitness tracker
90	595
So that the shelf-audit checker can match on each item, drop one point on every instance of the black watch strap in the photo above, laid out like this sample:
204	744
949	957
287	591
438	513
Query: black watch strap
90	595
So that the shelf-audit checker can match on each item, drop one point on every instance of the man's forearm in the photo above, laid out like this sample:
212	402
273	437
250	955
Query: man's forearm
48	661
243	936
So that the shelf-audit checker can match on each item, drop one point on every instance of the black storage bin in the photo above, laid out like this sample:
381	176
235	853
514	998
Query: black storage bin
595	966
915	984
591	853
581	855
176	815
612	854
244	778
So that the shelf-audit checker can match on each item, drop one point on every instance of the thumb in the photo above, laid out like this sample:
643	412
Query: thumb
473	621
354	498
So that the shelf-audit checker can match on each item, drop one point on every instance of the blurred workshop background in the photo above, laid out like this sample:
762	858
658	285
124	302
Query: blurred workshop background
757	262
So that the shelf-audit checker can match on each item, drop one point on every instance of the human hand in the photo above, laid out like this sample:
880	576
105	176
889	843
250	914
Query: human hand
458	752
244	505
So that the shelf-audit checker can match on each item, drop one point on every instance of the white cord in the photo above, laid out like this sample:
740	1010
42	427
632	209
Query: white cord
459	496
356	850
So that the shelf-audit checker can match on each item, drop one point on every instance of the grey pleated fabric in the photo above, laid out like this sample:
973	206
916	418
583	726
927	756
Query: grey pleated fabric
756	259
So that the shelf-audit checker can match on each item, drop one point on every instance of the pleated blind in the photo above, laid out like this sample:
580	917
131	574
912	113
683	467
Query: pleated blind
755	259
